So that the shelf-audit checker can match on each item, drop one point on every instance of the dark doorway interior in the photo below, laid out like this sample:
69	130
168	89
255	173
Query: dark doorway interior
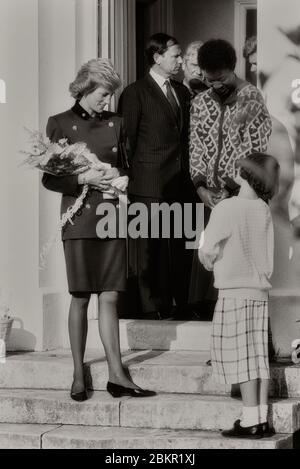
251	30
143	32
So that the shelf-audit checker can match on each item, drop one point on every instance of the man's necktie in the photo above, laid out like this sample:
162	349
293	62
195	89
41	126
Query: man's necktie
172	101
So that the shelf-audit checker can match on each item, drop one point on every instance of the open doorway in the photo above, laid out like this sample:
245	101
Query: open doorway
152	16
191	20
245	18
251	31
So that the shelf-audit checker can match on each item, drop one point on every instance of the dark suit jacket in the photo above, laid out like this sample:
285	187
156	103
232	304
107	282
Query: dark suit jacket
103	137
158	152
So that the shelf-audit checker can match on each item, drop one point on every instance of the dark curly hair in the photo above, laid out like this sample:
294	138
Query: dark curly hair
261	171
217	54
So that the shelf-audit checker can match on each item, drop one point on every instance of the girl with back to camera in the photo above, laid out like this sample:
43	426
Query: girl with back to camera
238	246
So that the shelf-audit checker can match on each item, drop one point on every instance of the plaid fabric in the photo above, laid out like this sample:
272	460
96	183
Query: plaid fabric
239	343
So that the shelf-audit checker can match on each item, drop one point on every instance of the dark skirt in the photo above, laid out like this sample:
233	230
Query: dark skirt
95	265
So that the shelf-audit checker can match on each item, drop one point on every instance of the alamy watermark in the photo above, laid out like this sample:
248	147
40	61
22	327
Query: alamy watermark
156	220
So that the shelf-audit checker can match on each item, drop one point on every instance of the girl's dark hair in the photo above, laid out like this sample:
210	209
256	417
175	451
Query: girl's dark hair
261	171
158	44
216	55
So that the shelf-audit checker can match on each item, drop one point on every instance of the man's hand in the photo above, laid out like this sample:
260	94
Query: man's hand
208	197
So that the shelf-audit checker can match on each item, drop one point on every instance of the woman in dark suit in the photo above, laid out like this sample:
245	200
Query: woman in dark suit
94	265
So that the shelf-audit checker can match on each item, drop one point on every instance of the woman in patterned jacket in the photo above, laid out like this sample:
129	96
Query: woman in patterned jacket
229	121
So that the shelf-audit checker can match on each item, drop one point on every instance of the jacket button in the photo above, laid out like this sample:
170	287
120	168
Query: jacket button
114	149
88	206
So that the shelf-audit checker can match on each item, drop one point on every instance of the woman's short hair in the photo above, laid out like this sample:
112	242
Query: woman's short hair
215	55
250	47
158	44
92	75
261	171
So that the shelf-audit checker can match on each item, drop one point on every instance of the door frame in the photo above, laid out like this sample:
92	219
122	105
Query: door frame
240	11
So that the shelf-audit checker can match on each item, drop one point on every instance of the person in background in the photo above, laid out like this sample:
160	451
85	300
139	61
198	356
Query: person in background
94	265
156	112
279	144
238	246
193	78
229	121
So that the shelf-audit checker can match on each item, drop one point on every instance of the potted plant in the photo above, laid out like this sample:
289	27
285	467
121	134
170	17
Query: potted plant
296	350
6	322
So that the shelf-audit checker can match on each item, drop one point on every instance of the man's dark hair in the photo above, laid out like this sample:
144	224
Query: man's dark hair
216	55
261	171
158	44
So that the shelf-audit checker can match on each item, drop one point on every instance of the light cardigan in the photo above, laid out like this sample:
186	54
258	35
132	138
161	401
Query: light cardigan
238	246
221	134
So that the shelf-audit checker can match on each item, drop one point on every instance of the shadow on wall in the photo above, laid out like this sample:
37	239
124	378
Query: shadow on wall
20	339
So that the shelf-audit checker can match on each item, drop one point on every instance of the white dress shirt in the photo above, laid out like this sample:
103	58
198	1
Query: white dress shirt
161	81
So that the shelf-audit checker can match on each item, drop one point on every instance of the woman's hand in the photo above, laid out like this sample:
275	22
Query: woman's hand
95	178
208	197
109	175
121	183
222	195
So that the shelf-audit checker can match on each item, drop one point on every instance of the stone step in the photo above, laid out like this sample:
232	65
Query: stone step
13	436
68	437
162	371
165	411
157	335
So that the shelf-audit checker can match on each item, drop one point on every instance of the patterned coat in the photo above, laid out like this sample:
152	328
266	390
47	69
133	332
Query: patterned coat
222	133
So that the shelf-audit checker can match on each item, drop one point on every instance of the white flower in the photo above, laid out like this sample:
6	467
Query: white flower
295	344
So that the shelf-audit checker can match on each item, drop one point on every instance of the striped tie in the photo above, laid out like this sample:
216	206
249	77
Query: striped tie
172	101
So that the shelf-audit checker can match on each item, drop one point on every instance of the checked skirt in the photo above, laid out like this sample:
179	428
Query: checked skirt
239	343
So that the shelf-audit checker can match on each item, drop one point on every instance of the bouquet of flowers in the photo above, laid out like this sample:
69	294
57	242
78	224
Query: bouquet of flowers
64	159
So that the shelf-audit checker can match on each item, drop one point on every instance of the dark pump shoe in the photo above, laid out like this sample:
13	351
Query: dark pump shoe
119	391
254	432
79	396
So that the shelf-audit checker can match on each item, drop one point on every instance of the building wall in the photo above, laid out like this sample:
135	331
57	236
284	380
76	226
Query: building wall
57	68
19	187
203	20
42	44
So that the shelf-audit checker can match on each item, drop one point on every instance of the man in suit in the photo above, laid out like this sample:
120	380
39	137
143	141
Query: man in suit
156	118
